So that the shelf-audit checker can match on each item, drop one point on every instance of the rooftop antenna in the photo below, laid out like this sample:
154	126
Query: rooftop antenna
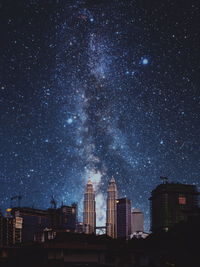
164	179
18	197
53	202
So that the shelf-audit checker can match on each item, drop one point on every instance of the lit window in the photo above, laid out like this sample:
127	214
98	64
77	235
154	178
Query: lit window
182	200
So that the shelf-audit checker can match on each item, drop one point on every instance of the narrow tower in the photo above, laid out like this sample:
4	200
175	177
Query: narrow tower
111	214
89	213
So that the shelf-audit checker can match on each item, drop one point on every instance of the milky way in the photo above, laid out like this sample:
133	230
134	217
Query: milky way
98	89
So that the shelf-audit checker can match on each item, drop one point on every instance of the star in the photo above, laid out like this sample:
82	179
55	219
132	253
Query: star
145	61
70	121
85	96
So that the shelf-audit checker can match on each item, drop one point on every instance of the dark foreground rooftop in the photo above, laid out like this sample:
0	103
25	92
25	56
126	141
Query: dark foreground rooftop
178	248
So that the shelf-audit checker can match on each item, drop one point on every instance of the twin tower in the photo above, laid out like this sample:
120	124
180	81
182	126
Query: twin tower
89	212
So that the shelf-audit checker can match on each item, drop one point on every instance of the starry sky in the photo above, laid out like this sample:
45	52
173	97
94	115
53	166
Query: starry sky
97	88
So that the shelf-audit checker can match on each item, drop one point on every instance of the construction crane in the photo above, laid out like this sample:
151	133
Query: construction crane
18	197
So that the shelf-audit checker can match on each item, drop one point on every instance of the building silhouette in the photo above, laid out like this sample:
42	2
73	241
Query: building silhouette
89	209
111	213
123	218
172	203
64	218
33	221
10	230
28	222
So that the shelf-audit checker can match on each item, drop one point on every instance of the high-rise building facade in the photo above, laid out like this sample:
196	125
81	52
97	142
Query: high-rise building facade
89	209
137	221
111	213
64	218
29	221
123	218
171	203
10	230
33	221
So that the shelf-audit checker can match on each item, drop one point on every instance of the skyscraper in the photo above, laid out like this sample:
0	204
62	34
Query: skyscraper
89	213
123	218
111	213
137	221
172	203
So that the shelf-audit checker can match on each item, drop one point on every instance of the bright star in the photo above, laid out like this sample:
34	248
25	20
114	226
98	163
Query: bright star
145	61
69	121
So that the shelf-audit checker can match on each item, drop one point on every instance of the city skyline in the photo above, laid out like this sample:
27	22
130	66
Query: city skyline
97	88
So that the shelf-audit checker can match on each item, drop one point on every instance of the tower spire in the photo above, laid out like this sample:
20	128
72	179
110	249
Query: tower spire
89	213
111	213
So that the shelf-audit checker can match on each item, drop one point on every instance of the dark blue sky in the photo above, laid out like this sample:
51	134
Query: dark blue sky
98	88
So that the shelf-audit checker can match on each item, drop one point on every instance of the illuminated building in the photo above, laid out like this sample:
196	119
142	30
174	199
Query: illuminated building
89	212
10	230
171	203
123	218
111	213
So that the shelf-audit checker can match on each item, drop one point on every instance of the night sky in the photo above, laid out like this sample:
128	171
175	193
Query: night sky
97	89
